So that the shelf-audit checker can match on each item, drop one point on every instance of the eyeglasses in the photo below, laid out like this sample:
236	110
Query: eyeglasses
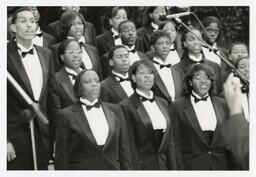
72	52
211	30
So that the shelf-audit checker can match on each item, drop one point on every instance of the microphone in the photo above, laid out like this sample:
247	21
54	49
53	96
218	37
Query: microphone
167	17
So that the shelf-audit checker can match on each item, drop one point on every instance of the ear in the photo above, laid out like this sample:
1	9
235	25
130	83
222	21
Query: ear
152	48
13	28
190	83
133	78
110	62
184	44
62	58
110	22
150	15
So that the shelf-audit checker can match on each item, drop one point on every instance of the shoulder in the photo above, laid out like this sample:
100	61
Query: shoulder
114	107
106	82
90	47
104	35
219	100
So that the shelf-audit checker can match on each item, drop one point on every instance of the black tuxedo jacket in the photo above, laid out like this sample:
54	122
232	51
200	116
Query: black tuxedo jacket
64	89
19	112
55	29
76	147
160	88
92	52
48	40
112	91
145	33
197	153
145	154
185	63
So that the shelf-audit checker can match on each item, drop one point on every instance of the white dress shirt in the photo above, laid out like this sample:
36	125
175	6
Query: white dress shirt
205	113
116	41
173	56
126	85
156	116
132	56
33	69
38	40
97	121
196	59
245	105
166	76
211	56
155	26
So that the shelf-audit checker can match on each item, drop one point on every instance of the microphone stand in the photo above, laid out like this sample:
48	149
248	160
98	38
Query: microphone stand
228	63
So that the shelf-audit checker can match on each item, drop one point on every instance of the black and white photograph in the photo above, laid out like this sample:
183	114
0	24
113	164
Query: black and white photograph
158	88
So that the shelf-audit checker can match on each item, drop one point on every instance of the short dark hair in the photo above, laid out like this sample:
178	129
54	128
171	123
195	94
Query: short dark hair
63	47
238	43
115	10
158	34
77	85
124	22
134	68
189	76
113	49
67	19
15	14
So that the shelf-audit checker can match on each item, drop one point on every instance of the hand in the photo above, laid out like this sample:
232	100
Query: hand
233	94
10	152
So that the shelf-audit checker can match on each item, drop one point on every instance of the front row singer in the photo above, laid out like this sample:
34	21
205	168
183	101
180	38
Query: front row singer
149	124
91	135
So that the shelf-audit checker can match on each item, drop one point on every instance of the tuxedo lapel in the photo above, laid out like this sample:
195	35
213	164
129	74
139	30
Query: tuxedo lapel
109	40
219	115
67	85
191	116
20	73
177	79
44	67
164	109
82	121
117	88
110	116
91	55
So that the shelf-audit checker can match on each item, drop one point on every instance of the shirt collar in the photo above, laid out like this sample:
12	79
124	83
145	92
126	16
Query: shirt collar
87	102
158	60
23	49
144	95
120	75
155	26
130	48
82	39
196	95
114	32
71	71
196	59
38	31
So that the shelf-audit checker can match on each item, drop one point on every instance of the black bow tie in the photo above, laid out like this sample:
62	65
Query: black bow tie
132	51
89	107
81	44
162	66
31	52
122	79
172	49
147	99
116	37
196	100
73	75
197	62
39	34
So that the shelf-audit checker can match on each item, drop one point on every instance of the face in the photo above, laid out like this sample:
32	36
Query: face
201	83
116	20
193	44
128	33
71	8
144	78
213	31
162	47
90	85
156	13
25	26
36	13
170	29
120	60
238	51
72	57
77	28
244	67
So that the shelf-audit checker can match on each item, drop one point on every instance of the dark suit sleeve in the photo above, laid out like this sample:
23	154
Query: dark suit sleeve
62	143
236	136
177	139
124	154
